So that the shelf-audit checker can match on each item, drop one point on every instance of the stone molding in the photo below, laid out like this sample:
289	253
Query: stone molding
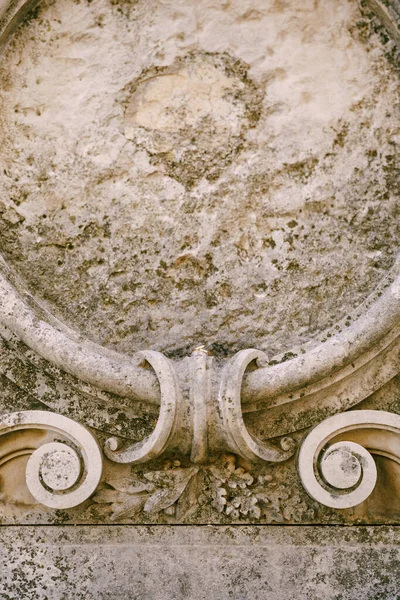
323	563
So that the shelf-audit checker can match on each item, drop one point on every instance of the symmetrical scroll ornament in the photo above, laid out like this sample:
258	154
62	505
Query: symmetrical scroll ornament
206	410
335	462
63	473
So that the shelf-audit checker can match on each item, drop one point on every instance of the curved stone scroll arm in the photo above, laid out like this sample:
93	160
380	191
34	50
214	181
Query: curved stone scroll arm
154	444
389	15
58	474
343	474
234	429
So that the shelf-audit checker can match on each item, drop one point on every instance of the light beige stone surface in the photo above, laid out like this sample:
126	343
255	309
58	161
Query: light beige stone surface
180	174
185	174
179	158
177	174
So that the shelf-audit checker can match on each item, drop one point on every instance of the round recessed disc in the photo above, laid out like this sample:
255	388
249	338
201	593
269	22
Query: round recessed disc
202	173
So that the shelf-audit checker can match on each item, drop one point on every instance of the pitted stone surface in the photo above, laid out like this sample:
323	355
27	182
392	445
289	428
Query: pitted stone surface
201	172
340	468
250	563
60	469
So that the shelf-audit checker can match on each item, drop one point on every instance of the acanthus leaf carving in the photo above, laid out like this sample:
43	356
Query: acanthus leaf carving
225	487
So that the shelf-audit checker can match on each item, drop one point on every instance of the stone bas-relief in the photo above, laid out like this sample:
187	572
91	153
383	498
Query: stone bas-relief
204	180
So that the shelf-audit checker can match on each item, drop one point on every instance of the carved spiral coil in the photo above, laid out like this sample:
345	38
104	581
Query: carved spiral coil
343	474
59	474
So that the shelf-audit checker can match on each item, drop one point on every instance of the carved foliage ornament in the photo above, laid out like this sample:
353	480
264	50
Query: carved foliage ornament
335	470
245	408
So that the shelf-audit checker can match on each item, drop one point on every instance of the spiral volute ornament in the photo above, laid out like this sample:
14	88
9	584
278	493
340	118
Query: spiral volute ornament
342	474
62	473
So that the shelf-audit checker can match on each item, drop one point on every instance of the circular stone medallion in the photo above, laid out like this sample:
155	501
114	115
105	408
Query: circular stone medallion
218	173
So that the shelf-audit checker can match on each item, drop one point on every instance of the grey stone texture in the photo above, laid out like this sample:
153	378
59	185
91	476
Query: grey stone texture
197	563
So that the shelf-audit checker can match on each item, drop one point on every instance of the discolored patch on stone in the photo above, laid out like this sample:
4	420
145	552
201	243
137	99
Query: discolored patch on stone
191	116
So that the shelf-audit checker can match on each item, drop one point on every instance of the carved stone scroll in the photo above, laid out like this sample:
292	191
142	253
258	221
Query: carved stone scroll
336	371
63	473
337	358
155	444
238	437
207	424
343	474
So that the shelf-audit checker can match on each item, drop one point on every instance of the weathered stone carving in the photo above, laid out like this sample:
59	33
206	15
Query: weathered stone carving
232	492
227	429
335	462
59	474
368	349
230	407
168	420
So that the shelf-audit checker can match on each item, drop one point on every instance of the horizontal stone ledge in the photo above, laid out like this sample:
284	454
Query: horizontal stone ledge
198	562
197	536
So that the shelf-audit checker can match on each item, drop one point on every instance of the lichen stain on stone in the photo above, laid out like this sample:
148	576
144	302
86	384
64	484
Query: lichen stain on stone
228	180
191	117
